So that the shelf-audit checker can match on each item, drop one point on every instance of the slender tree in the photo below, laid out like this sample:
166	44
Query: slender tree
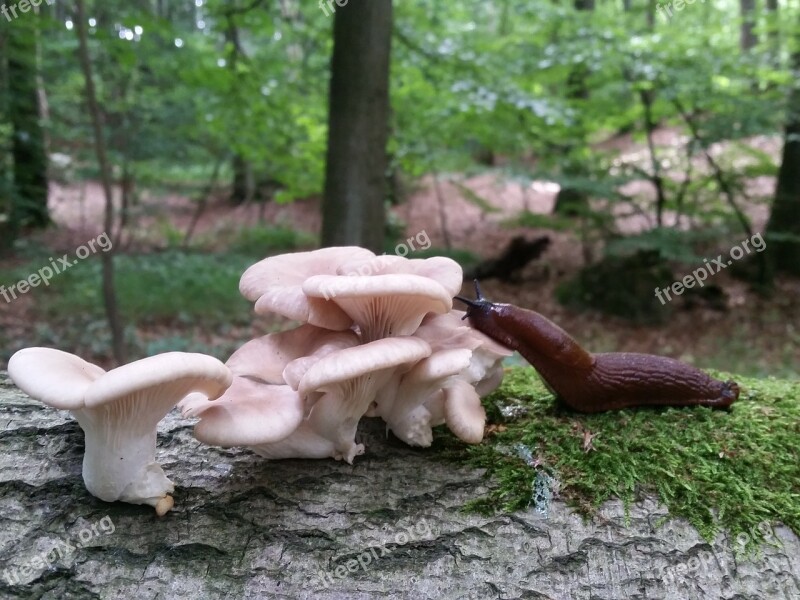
355	178
783	228
242	187
748	38
109	289
569	200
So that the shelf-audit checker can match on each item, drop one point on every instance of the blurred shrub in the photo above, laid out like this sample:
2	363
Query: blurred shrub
261	240
622	286
169	286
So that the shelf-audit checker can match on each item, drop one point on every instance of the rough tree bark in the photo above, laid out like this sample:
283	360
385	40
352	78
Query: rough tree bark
109	288
29	205
355	179
245	528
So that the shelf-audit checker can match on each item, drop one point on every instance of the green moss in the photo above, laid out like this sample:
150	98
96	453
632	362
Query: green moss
717	469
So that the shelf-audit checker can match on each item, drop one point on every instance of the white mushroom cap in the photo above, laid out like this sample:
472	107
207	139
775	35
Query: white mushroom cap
445	271
382	305
463	411
335	341
339	369
249	413
435	406
159	382
266	357
274	284
118	412
56	378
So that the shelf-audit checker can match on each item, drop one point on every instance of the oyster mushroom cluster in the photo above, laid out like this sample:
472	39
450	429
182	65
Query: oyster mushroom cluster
379	338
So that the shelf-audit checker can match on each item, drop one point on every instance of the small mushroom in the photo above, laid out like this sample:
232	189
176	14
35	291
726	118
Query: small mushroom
118	412
275	285
447	331
406	413
463	411
343	385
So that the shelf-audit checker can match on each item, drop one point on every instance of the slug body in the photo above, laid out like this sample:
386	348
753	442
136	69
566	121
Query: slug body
589	382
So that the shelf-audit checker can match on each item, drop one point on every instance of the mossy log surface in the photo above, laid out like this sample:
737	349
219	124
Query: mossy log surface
390	526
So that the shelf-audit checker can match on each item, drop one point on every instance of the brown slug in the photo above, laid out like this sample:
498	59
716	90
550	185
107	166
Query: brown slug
589	382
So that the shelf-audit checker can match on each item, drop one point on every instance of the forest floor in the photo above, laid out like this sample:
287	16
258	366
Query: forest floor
753	335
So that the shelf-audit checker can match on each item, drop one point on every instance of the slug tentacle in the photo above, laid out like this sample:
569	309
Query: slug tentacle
595	382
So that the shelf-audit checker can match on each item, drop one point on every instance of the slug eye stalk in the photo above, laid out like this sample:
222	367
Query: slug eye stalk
477	303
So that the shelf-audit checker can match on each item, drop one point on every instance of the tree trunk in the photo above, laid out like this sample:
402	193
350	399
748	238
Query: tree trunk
773	32
784	220
571	201
29	204
109	288
355	179
241	191
748	38
389	526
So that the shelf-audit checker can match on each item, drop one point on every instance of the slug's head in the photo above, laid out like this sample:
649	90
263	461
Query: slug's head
477	306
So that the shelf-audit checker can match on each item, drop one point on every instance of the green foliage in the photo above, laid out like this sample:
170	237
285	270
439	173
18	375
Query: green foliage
718	469
184	87
166	287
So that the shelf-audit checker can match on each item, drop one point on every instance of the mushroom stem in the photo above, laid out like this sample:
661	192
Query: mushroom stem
120	464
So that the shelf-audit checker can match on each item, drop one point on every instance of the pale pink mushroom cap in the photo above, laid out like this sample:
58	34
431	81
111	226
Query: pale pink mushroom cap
275	285
58	379
382	305
445	271
266	357
249	413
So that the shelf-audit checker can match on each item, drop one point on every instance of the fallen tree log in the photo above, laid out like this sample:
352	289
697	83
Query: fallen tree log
390	526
